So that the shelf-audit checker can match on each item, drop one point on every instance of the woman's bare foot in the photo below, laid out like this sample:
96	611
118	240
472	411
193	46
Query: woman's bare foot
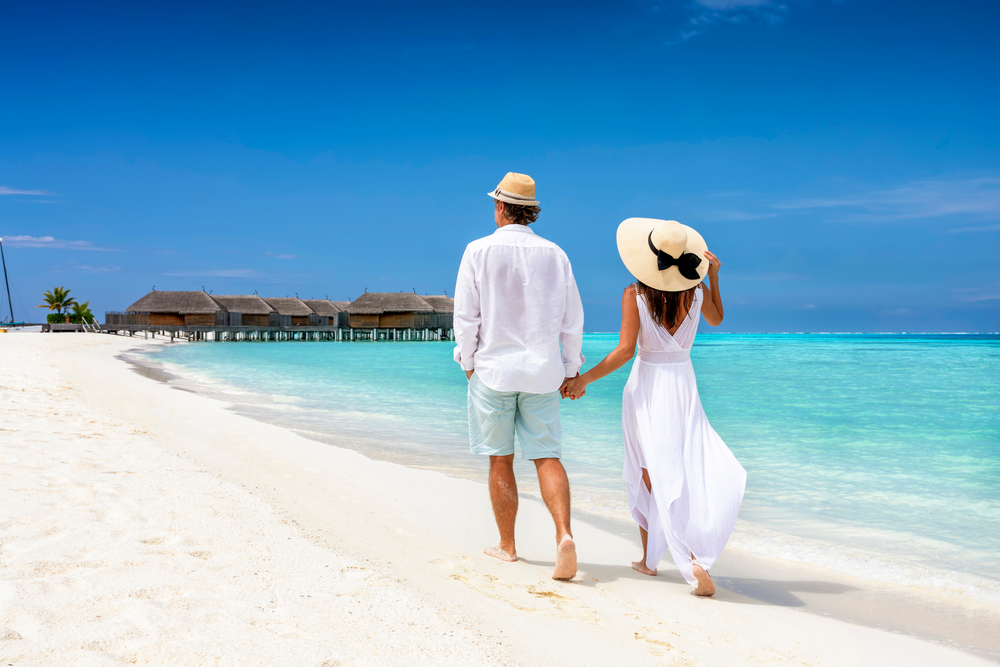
640	566
705	586
565	560
498	552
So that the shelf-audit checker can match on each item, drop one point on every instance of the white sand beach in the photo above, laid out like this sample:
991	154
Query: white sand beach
145	525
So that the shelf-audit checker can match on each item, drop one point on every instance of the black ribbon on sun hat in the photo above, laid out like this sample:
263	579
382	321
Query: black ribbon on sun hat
687	263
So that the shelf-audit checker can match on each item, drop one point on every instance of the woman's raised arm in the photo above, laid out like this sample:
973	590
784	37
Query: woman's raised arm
712	307
618	357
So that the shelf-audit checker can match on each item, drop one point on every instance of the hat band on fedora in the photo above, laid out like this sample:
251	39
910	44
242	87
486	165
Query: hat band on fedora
498	192
687	263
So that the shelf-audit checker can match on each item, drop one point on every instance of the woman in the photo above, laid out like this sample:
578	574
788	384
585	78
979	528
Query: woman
684	485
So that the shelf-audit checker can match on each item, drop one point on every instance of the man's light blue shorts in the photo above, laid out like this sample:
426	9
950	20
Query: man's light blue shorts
495	416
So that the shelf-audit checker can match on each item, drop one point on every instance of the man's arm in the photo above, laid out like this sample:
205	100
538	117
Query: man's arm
468	317
571	333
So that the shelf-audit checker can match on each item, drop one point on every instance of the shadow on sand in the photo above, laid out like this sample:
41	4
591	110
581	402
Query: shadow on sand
771	592
735	590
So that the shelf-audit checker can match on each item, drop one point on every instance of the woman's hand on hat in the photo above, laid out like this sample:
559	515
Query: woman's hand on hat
713	264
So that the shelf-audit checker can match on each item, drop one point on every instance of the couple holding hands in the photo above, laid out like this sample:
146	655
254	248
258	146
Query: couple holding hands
519	334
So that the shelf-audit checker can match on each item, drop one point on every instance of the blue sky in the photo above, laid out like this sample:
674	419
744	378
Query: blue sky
842	158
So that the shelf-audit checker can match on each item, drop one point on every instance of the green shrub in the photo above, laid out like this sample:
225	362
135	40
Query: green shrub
57	318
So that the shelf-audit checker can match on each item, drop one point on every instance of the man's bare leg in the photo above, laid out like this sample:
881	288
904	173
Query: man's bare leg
640	565
503	494
555	492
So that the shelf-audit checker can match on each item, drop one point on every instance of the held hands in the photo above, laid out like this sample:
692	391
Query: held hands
573	388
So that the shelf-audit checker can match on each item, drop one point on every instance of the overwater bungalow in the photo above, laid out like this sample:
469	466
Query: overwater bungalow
444	310
291	312
245	310
178	309
390	310
329	313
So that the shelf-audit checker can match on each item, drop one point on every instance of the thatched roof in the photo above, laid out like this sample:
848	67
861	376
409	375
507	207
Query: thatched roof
373	303
441	303
183	303
342	305
289	306
322	307
247	305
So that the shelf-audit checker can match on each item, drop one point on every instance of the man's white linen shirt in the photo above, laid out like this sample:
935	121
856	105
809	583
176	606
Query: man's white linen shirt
516	304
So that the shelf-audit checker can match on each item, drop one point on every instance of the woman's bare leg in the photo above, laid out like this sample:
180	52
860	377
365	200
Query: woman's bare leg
640	565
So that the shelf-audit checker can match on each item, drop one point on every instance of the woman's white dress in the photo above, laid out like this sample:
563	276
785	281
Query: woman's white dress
697	483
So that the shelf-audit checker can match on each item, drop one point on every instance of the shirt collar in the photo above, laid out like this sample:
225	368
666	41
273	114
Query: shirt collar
524	229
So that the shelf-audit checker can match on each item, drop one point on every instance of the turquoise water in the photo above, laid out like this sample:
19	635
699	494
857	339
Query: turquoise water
877	455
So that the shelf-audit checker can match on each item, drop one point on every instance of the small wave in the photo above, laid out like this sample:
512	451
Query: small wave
862	564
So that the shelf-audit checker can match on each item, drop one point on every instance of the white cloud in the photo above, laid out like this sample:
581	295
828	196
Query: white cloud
14	191
709	12
989	292
778	277
732	215
216	273
977	197
49	242
86	268
728	5
983	228
283	255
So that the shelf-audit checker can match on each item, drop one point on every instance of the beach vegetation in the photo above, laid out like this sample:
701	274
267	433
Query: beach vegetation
58	300
81	313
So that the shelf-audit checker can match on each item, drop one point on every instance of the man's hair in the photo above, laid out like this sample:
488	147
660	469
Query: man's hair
521	215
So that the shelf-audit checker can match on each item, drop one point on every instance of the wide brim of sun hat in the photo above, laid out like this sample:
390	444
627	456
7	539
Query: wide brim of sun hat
634	237
518	189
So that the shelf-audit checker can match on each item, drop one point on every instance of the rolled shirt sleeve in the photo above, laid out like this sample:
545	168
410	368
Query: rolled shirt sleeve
468	316
571	332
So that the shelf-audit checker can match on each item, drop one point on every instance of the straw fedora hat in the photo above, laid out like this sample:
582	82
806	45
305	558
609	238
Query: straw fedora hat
663	254
516	189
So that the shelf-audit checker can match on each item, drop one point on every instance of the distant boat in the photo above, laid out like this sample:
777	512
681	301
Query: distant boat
7	285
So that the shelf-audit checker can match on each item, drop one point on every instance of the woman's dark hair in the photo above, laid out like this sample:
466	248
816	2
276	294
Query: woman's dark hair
521	215
665	307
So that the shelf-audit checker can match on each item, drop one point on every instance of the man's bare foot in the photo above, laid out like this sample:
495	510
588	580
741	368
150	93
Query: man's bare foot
565	560
640	566
705	586
498	552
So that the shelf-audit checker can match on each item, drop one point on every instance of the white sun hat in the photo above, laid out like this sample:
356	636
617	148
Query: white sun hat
663	254
516	189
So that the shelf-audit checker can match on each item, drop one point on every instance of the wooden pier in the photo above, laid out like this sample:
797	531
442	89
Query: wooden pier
276	334
200	316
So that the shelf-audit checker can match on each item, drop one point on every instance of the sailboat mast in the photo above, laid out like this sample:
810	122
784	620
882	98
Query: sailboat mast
6	284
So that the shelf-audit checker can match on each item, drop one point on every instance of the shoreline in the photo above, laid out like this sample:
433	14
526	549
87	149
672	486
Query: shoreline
851	558
425	531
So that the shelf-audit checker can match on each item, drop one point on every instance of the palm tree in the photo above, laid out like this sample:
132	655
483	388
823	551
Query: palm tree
82	310
57	300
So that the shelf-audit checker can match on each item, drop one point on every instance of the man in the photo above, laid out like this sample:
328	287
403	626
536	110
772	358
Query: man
516	303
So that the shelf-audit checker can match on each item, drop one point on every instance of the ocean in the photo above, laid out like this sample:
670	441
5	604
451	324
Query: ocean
871	455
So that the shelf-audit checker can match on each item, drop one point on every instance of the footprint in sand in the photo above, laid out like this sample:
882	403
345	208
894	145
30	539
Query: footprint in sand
354	572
